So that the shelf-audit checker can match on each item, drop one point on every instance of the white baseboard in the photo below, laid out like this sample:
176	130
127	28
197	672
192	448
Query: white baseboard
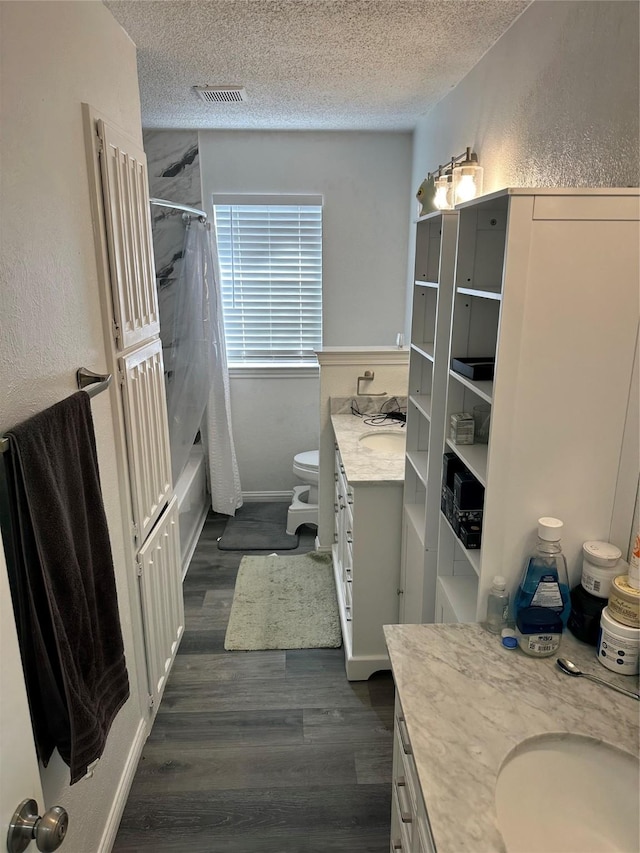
122	791
248	497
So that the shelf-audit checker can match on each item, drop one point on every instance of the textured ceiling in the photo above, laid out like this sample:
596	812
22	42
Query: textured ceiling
306	64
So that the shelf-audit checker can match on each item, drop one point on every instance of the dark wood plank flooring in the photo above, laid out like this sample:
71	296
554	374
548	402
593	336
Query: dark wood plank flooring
259	752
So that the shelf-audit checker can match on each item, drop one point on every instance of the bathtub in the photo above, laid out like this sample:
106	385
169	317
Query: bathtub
193	503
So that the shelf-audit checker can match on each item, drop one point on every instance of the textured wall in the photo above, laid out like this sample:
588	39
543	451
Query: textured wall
554	103
54	57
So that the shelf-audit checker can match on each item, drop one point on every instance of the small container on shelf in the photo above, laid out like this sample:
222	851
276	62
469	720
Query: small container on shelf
474	368
470	534
461	428
482	421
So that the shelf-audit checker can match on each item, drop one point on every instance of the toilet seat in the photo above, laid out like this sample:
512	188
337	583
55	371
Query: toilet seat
307	462
304	506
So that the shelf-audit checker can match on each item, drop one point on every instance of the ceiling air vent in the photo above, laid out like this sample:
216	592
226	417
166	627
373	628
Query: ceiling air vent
221	94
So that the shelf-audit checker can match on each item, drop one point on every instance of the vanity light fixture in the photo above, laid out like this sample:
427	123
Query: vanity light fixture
467	178
458	181
443	186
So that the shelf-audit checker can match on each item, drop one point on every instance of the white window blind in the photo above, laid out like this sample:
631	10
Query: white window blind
271	271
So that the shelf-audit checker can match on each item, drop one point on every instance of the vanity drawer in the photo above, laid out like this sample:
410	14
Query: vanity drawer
404	817
406	764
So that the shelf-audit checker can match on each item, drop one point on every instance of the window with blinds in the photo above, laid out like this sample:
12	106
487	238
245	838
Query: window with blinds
270	254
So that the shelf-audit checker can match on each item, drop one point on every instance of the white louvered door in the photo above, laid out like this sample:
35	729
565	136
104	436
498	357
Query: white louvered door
121	167
147	434
161	597
125	188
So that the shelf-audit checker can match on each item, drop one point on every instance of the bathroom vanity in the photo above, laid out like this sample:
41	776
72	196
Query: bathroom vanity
368	485
464	704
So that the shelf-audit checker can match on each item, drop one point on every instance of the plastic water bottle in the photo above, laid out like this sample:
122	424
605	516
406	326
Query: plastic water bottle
497	606
545	582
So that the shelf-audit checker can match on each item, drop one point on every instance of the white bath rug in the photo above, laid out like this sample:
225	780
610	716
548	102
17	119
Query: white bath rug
284	603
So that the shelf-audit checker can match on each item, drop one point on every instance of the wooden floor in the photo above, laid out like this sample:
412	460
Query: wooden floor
259	752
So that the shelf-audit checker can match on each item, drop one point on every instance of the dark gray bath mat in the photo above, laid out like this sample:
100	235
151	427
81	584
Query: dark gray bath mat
260	526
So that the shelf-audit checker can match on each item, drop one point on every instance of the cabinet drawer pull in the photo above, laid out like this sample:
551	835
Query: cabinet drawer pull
348	573
349	537
401	790
396	845
404	736
335	476
347	613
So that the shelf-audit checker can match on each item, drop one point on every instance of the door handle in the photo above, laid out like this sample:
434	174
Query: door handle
26	825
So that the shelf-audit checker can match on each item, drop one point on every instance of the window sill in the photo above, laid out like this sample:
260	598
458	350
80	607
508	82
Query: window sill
268	370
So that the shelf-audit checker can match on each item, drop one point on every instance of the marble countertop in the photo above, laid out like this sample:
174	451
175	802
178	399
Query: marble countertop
468	702
361	464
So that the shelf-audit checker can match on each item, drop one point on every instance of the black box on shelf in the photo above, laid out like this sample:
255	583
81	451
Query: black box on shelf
474	368
446	502
464	517
451	464
468	492
470	535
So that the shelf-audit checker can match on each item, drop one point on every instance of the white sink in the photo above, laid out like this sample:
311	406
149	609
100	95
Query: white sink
384	441
566	793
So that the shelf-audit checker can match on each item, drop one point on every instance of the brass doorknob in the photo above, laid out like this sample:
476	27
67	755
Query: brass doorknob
26	825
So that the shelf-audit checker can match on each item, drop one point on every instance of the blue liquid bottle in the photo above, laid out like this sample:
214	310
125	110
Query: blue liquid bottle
545	582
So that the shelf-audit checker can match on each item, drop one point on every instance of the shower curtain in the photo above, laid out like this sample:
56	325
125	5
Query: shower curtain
196	369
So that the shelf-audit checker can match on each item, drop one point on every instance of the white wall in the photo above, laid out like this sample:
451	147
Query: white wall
55	55
364	179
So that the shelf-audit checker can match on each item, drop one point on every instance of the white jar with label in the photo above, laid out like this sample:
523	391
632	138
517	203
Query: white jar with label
618	645
600	565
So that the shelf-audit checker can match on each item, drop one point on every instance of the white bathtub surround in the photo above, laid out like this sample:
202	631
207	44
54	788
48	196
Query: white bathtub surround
193	503
467	702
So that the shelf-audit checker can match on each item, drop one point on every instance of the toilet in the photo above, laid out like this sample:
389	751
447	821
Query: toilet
304	506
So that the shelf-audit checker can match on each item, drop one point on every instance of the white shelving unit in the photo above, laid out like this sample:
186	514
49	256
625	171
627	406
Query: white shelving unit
428	367
545	281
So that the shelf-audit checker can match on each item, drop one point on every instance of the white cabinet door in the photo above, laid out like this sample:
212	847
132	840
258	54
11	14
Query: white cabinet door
123	168
147	434
161	598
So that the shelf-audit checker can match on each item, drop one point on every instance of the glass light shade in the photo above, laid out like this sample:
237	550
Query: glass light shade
467	182
443	199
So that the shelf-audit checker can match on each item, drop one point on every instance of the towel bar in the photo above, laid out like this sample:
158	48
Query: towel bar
87	380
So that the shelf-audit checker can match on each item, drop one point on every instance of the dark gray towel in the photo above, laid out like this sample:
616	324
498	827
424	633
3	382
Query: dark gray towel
64	589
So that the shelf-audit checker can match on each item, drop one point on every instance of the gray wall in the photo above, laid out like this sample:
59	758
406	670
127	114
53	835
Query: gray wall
364	179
